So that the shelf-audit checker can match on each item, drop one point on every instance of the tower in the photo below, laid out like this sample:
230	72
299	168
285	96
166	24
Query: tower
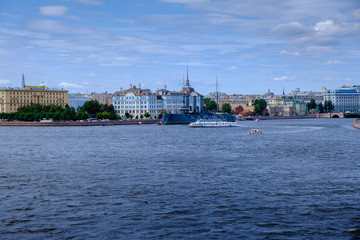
23	81
187	82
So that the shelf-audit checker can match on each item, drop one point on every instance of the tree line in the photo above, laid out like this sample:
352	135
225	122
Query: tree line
211	106
37	112
321	108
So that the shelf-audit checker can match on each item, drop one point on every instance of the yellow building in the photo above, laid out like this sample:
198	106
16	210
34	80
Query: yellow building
12	98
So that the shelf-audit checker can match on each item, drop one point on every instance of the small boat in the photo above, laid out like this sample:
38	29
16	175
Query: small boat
139	123
255	131
213	123
159	123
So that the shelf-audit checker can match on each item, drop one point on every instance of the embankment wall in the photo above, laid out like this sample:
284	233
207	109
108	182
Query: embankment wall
357	123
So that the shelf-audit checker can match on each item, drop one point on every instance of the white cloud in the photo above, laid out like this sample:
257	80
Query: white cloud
292	53
232	68
91	2
330	28
91	75
3	81
53	10
283	78
335	62
356	13
70	85
290	29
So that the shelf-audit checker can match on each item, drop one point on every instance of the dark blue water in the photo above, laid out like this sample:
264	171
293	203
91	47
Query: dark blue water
299	180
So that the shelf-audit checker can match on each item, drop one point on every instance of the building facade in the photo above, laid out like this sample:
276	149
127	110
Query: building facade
103	98
193	101
171	101
13	98
306	96
77	100
137	102
344	98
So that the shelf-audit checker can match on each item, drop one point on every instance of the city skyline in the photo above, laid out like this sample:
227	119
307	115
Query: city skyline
251	46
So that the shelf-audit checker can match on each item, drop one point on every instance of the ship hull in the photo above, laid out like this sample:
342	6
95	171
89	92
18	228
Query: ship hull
186	118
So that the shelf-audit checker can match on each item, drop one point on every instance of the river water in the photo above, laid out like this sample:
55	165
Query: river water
298	180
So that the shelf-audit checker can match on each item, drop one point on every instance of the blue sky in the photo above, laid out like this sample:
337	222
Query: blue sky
250	45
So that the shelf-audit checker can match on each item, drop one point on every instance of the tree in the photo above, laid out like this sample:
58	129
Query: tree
127	114
207	101
321	108
162	114
328	106
99	115
311	105
92	107
210	105
259	106
226	108
105	115
147	115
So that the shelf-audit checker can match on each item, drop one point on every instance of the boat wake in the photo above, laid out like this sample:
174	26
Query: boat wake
297	130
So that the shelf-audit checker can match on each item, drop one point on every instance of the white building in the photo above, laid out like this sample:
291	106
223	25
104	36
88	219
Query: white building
171	101
345	98
306	96
137	102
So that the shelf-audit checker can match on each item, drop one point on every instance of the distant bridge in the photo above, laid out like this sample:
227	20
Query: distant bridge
331	115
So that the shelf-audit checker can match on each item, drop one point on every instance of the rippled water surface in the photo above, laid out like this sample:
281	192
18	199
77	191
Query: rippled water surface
298	180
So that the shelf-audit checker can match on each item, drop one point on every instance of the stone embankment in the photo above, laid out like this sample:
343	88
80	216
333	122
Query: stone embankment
357	123
68	124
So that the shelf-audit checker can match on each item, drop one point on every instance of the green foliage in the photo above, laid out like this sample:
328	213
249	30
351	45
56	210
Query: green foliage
105	115
311	105
147	115
162	114
99	115
259	106
226	108
210	105
91	107
328	106
321	108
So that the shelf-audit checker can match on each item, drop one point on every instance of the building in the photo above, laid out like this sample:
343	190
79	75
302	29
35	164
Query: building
193	101
103	98
137	102
13	98
77	100
344	98
306	96
172	101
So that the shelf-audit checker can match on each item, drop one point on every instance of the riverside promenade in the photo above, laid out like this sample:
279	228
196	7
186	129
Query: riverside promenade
357	123
69	124
315	115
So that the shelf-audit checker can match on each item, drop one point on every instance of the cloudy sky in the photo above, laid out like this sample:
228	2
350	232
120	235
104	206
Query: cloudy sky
249	45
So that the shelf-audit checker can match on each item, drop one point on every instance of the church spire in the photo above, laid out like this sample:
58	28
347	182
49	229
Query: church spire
23	81
187	83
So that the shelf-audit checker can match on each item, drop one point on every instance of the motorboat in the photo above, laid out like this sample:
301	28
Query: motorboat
255	131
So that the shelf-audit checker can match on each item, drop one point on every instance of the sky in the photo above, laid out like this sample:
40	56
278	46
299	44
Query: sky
250	46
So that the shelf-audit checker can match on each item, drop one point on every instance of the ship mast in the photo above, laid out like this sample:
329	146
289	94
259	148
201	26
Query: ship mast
217	95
